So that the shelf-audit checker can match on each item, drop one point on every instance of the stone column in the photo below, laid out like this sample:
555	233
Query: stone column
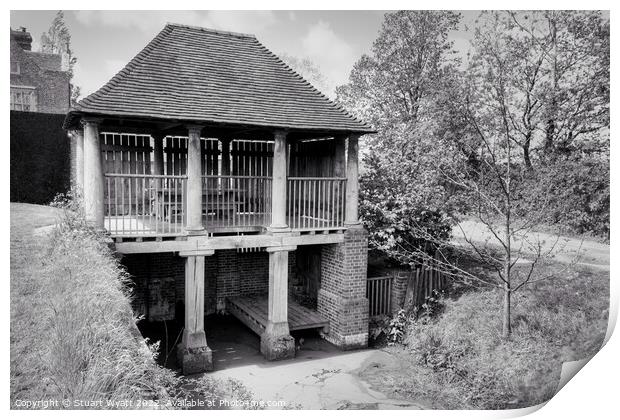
351	217
278	186
194	182
340	163
93	174
193	354
78	141
276	342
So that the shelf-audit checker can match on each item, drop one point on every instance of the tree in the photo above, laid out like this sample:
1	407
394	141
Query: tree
395	89
557	93
307	69
57	40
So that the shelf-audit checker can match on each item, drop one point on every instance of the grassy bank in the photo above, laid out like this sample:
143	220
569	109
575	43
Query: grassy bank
73	334
458	359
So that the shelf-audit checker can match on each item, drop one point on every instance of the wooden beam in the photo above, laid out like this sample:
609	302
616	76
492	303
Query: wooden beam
204	243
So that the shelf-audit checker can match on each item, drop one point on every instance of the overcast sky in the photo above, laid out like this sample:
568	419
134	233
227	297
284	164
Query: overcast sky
104	41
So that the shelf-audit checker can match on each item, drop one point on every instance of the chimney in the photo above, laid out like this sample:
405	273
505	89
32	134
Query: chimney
23	38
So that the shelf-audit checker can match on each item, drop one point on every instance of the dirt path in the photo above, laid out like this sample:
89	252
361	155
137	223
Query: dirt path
566	249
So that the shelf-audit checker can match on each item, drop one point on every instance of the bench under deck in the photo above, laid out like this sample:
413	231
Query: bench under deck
252	311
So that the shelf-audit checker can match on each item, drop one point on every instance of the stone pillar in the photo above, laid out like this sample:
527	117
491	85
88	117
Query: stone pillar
93	174
278	186
342	296
193	354
276	342
340	163
194	182
351	216
78	140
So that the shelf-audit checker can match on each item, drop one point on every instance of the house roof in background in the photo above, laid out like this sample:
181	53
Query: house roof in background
201	75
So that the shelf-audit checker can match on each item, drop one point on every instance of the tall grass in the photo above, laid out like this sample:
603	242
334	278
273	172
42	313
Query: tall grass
73	333
463	362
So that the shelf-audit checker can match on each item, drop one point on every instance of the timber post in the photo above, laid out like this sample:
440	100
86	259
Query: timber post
93	174
278	186
158	158
351	212
193	354
340	163
276	342
194	182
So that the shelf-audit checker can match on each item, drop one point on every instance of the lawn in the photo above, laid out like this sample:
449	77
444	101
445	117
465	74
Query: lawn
457	360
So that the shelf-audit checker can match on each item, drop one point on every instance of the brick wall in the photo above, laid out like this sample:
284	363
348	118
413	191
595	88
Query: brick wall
51	84
342	296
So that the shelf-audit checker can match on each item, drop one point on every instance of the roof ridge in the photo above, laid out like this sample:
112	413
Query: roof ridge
211	30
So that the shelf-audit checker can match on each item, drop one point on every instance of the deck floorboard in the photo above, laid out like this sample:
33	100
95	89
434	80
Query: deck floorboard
252	310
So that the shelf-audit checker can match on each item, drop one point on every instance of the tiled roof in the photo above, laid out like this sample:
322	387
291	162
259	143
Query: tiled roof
197	74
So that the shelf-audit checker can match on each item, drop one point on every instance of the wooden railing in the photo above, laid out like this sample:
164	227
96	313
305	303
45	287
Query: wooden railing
145	205
316	203
138	205
379	295
236	201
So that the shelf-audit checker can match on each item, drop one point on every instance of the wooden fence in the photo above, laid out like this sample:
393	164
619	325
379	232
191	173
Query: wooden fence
420	286
379	294
385	293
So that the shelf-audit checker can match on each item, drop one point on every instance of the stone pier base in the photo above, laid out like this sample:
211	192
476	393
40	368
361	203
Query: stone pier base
276	343
194	360
193	354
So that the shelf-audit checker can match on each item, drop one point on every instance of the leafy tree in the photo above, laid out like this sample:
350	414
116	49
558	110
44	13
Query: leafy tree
395	88
557	89
472	140
57	40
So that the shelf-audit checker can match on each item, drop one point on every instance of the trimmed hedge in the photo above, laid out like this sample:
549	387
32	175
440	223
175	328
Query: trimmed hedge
40	157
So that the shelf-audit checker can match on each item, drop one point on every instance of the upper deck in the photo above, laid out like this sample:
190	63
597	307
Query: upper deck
146	194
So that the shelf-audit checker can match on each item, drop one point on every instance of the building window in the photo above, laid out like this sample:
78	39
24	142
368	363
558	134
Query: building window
23	99
15	67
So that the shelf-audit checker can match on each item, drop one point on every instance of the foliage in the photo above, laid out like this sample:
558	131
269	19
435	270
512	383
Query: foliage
394	89
578	199
476	139
397	328
57	40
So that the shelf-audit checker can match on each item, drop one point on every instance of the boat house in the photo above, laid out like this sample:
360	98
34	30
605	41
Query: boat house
230	184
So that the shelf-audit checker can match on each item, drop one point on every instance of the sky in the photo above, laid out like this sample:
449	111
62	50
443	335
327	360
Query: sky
104	41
